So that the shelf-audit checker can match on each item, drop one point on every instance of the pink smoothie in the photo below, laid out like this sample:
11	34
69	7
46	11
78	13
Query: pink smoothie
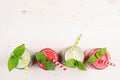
50	54
98	64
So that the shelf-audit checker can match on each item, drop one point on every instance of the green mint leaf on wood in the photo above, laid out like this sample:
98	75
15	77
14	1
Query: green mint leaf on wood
101	52
12	62
79	65
18	51
40	57
49	65
92	59
70	63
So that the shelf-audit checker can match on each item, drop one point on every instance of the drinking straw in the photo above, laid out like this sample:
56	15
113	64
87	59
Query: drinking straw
76	43
109	63
59	65
26	66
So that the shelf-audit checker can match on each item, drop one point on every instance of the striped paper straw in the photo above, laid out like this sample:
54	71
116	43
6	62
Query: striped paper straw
26	66
76	43
109	63
59	65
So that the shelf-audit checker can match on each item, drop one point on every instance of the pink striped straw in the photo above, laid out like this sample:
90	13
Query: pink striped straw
59	65
109	63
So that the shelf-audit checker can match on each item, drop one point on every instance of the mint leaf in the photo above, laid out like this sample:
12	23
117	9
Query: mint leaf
18	51
12	62
40	57
79	65
92	59
75	63
14	59
101	52
70	63
49	65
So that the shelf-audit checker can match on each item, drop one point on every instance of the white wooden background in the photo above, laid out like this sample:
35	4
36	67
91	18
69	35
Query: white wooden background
56	24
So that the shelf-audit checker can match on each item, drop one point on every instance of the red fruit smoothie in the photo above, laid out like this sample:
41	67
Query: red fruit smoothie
98	64
50	54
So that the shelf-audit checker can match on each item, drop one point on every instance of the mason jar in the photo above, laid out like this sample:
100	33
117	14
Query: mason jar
67	54
25	58
98	64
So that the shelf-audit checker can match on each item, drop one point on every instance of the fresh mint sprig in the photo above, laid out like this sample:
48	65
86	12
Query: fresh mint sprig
18	51
101	52
49	65
75	63
92	59
98	55
41	58
12	62
70	63
14	58
79	65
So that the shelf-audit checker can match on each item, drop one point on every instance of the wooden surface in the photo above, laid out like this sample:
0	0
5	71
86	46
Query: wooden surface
56	24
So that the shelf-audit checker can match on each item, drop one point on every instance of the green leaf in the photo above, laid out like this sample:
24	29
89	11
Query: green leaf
92	59
75	63
40	57
12	62
49	65
18	51
70	63
101	52
79	65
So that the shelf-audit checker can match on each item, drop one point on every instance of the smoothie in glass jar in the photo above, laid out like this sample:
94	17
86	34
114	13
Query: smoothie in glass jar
73	58
95	57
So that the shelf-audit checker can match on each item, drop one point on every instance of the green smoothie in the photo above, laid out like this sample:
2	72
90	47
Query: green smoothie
25	57
73	58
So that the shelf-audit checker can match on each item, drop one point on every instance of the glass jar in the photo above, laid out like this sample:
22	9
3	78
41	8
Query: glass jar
98	64
67	54
25	58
